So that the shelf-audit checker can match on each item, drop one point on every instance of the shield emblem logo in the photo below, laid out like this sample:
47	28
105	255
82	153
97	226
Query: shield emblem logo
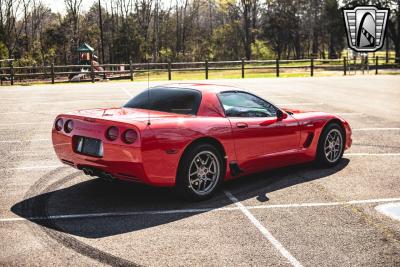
365	27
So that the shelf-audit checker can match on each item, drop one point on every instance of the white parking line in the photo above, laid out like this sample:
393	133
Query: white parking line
372	154
299	104
83	100
324	204
32	113
391	210
199	210
23	141
55	166
59	100
264	230
348	113
127	92
376	129
33	167
25	123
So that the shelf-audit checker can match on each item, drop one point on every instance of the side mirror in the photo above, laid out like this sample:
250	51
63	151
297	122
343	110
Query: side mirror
281	115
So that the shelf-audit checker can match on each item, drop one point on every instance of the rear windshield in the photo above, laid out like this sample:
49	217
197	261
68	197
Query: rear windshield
173	100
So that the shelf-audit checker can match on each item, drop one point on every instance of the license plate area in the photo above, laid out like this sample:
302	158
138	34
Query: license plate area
88	146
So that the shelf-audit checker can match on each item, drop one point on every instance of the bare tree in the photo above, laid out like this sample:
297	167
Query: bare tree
73	10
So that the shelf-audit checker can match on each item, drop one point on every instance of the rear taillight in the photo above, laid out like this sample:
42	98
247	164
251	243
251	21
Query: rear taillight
112	133
69	126
129	136
59	124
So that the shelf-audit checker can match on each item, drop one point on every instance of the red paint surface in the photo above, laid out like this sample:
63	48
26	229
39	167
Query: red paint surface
264	143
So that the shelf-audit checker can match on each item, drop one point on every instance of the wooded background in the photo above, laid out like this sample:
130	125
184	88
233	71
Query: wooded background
181	30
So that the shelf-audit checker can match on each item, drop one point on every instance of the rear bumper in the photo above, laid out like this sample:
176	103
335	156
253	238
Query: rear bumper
123	162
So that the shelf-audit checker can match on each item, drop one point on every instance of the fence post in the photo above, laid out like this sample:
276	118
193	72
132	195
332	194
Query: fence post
52	73
169	70
130	70
344	66
242	68
277	67
376	65
11	73
206	68
92	71
312	66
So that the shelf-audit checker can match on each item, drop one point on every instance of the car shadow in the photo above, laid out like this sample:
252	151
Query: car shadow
96	196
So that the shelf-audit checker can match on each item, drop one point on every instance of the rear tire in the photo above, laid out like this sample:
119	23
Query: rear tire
200	172
330	145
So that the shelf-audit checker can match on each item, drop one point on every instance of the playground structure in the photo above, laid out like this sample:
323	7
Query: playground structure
88	58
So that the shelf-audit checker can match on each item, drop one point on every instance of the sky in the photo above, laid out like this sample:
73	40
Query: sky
59	6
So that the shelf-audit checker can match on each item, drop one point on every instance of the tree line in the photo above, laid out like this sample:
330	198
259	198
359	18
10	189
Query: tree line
181	30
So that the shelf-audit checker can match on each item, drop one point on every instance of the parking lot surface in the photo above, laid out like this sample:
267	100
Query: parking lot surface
52	214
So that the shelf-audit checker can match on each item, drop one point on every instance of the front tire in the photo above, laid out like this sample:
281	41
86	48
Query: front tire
330	145
200	173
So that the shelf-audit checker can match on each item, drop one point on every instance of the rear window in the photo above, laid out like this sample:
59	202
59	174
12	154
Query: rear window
173	100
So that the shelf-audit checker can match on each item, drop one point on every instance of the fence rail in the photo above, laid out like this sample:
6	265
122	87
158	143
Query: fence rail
11	73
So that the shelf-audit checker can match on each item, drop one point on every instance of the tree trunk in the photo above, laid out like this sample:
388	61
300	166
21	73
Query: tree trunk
247	33
397	42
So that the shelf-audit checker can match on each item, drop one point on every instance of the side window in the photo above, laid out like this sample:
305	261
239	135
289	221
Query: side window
239	104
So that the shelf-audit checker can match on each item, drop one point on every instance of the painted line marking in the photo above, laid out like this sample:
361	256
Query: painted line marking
391	210
25	123
24	141
264	230
127	92
60	165
32	113
199	210
348	113
33	167
79	101
372	154
299	104
376	129
59	100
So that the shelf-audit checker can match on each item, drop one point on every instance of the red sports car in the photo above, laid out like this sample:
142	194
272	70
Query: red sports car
194	136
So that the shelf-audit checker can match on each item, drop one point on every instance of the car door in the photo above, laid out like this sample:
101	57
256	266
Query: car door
262	140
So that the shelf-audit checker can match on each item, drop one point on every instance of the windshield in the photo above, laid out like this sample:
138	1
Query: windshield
173	100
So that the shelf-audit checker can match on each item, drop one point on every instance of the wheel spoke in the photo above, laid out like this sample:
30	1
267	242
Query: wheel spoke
204	172
194	181
333	145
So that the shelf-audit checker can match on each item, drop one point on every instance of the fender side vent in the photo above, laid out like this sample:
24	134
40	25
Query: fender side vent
309	139
234	167
70	163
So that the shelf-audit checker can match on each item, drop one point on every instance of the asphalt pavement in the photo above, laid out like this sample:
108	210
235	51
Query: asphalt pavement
51	214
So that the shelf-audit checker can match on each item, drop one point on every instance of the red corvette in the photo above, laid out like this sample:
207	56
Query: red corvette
194	136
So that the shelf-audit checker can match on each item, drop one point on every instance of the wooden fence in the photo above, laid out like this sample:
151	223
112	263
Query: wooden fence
9	73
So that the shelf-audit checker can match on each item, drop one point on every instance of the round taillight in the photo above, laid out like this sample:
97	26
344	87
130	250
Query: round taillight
59	124
129	136
112	133
69	126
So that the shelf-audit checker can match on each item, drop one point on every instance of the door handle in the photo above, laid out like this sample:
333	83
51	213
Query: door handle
241	125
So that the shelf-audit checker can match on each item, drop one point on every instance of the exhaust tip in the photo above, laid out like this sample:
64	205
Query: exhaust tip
90	172
107	176
85	171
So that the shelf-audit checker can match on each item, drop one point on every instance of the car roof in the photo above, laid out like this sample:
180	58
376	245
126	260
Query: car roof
202	87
